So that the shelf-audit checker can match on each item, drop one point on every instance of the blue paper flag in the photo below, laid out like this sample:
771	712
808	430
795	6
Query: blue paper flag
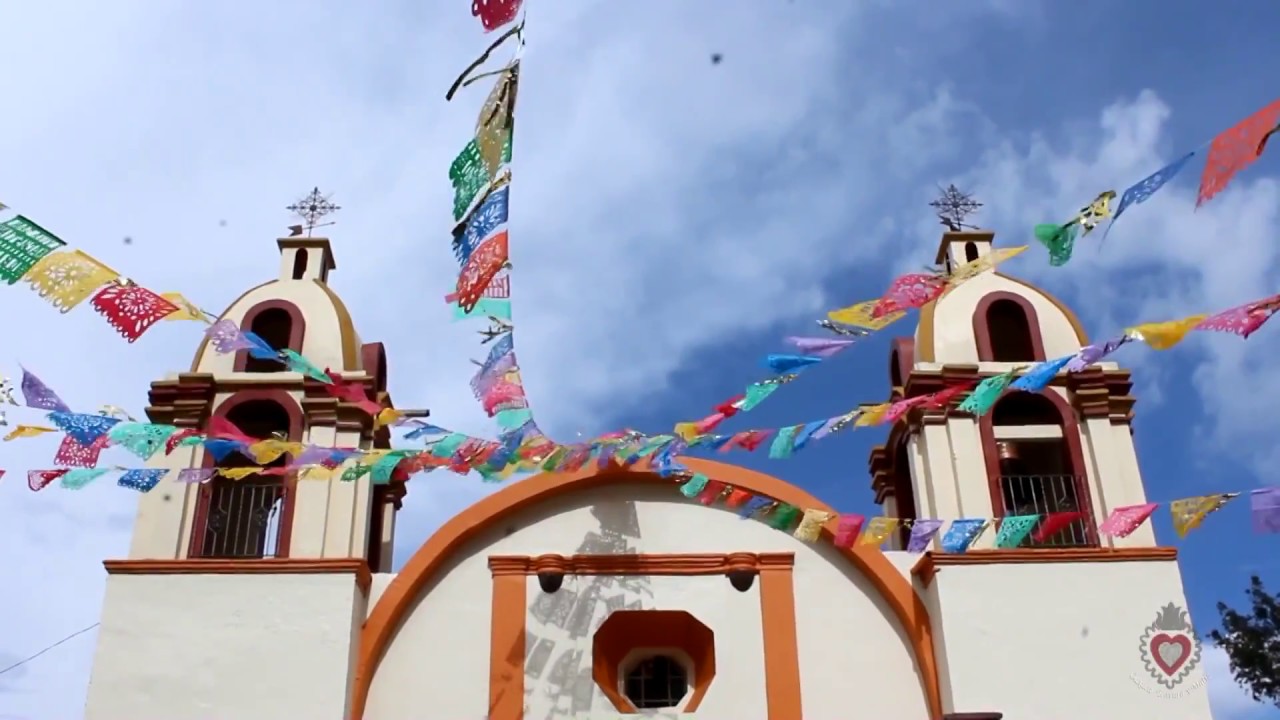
488	217
1145	188
259	348
962	533
82	427
142	480
783	364
1040	375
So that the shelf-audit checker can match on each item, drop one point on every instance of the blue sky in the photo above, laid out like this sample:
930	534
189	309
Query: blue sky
672	221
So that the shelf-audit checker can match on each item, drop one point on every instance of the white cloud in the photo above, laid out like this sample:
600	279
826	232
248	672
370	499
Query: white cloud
1165	259
661	204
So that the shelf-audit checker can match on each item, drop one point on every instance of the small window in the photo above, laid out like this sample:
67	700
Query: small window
299	263
659	681
970	251
1009	332
275	326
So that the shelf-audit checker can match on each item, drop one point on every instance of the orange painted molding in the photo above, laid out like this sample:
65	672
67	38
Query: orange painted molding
507	647
270	566
927	566
626	630
781	644
656	564
489	513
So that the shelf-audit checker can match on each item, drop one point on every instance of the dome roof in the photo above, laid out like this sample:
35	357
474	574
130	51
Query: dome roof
328	335
945	332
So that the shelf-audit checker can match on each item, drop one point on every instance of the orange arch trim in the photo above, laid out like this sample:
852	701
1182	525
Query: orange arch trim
435	553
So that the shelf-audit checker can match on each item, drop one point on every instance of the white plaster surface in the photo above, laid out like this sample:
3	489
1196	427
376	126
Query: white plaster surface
1058	641
844	628
250	647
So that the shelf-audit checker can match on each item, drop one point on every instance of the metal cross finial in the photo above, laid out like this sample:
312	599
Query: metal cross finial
953	207
311	209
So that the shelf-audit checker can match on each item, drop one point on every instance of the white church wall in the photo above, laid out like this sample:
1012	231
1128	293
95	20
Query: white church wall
1058	641
844	629
251	647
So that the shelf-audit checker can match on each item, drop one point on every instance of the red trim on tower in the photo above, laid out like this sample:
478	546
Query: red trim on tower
982	331
290	481
297	327
1075	456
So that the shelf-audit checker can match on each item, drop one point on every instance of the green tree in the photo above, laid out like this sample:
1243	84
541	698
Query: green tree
1252	642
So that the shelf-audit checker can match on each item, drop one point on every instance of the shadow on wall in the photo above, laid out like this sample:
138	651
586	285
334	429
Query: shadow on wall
557	666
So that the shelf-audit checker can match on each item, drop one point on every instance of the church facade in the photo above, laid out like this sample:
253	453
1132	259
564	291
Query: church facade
605	593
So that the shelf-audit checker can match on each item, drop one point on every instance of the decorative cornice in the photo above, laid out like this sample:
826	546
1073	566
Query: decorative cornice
185	402
663	564
929	563
272	566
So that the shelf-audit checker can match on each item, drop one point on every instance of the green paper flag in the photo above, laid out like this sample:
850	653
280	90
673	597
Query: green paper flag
297	363
469	175
696	485
984	397
1014	529
1059	239
382	469
78	478
448	445
756	394
22	245
783	442
355	472
783	517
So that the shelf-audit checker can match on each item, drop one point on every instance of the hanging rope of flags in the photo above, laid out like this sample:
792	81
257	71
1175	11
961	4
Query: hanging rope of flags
855	530
481	179
1228	153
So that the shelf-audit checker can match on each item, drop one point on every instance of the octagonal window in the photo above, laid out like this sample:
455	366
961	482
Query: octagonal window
655	681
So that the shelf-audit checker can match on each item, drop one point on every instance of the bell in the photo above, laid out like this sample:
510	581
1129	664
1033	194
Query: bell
1008	451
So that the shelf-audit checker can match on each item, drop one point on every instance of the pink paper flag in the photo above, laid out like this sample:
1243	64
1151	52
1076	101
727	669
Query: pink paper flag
1124	520
848	529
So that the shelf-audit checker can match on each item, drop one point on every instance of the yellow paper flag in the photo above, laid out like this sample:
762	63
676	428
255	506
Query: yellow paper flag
186	309
859	315
27	431
386	416
68	278
269	450
318	472
1188	513
238	473
878	530
973	268
810	527
872	415
686	430
1164	335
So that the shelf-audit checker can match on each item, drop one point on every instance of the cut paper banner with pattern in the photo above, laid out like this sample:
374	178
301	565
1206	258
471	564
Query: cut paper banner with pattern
494	14
67	278
1235	149
1142	191
487	218
23	243
131	309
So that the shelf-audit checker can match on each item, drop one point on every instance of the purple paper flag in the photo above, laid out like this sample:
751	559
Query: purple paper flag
226	337
819	346
311	455
195	475
922	532
38	395
1264	505
1090	354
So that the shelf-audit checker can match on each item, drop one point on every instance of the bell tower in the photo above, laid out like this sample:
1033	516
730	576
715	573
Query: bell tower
273	565
1068	448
